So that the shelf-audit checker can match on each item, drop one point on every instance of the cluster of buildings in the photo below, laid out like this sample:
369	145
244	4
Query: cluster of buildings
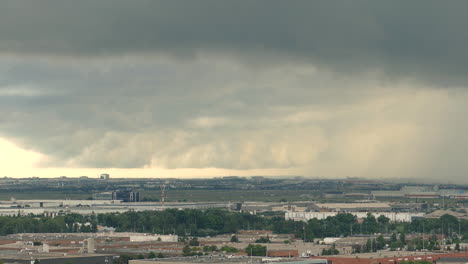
106	247
121	202
422	192
124	196
358	209
398	257
86	248
89	207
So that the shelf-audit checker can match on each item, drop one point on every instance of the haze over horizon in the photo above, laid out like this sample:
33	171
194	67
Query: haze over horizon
324	89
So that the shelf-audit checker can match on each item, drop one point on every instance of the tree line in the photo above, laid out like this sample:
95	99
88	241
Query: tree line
211	222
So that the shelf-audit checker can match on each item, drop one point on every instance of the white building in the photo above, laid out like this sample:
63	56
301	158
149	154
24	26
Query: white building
394	217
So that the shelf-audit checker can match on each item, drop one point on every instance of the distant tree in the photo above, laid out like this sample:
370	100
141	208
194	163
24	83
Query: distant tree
380	242
357	250
160	255
394	245
263	240
383	220
403	238
210	248
256	250
229	249
234	239
371	245
194	242
186	251
123	259
151	255
330	251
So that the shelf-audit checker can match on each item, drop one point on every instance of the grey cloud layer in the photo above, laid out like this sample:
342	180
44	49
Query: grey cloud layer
402	37
138	112
348	88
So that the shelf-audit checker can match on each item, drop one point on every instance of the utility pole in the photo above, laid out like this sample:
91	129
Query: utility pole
303	228
163	194
423	236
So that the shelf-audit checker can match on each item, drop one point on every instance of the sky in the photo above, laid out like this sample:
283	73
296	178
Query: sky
322	89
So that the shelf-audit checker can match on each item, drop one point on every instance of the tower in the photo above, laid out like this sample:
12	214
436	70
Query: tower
163	194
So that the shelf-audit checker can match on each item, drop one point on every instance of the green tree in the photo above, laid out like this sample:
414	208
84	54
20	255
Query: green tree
229	249
383	220
403	238
256	250
194	242
395	245
234	239
380	242
263	240
123	259
330	251
186	251
151	255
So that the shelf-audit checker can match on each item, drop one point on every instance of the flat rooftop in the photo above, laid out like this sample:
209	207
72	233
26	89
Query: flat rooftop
385	254
237	259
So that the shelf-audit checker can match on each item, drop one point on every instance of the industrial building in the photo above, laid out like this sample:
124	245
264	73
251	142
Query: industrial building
104	176
351	207
220	260
53	208
389	257
437	214
126	196
393	216
58	259
453	260
421	192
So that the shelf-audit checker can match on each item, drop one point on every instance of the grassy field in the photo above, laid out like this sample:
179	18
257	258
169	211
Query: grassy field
210	196
178	195
233	195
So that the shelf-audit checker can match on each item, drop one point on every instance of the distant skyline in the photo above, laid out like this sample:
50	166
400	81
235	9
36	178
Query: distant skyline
324	89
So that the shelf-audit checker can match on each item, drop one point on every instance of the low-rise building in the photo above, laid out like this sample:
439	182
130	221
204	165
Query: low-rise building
390	257
453	260
393	216
228	259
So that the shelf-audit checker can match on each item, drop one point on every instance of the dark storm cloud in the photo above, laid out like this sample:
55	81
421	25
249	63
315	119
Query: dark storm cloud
334	88
402	37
